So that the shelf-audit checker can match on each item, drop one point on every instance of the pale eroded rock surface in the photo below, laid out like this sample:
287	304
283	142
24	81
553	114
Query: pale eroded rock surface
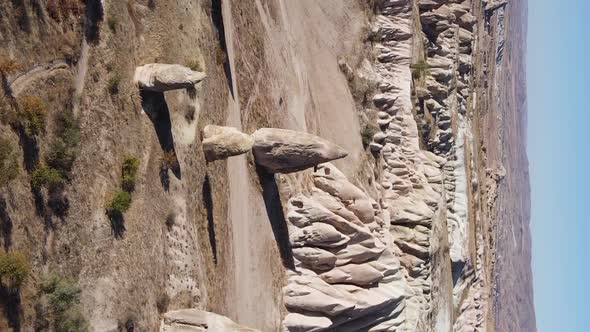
286	151
195	320
164	77
223	142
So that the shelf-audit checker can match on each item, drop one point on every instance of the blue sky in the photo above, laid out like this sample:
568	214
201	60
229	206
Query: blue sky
558	73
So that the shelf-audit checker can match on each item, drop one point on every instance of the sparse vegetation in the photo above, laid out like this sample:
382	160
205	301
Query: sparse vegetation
8	65
130	167
14	269
55	173
47	177
120	202
163	303
113	84
64	299
8	162
168	160
195	64
63	151
220	56
420	69
58	9
367	133
32	115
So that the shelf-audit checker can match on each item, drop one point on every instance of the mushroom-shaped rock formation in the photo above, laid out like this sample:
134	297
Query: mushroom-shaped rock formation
287	151
223	142
163	77
188	320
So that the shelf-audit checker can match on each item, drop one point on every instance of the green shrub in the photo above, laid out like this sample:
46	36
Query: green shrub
32	115
72	320
120	202
64	299
63	151
113	84
8	162
47	177
367	133
129	174
14	269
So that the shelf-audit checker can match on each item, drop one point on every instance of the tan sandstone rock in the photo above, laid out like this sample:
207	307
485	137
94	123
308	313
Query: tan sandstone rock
223	142
287	151
162	77
195	320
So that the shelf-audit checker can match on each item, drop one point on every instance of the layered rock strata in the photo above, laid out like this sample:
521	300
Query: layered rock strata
346	276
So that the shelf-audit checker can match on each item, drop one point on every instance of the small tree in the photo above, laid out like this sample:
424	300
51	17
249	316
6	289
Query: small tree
32	115
14	269
63	151
47	177
129	174
8	162
120	202
64	298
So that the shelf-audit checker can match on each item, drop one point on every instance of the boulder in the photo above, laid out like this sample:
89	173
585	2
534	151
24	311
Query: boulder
287	151
164	77
223	142
188	320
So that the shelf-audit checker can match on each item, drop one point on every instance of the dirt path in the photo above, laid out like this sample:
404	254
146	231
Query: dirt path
80	75
253	297
23	80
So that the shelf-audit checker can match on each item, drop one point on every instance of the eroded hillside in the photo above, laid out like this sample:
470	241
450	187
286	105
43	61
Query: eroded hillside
313	165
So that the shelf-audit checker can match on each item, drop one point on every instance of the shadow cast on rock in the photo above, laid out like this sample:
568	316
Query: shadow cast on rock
276	216
208	201
155	106
41	208
10	301
217	18
5	224
94	16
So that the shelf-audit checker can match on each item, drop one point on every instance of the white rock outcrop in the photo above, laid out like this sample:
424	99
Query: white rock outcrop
346	277
162	77
223	142
189	320
287	151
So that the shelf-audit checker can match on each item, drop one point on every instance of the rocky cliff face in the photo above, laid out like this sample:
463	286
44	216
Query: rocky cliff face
291	165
